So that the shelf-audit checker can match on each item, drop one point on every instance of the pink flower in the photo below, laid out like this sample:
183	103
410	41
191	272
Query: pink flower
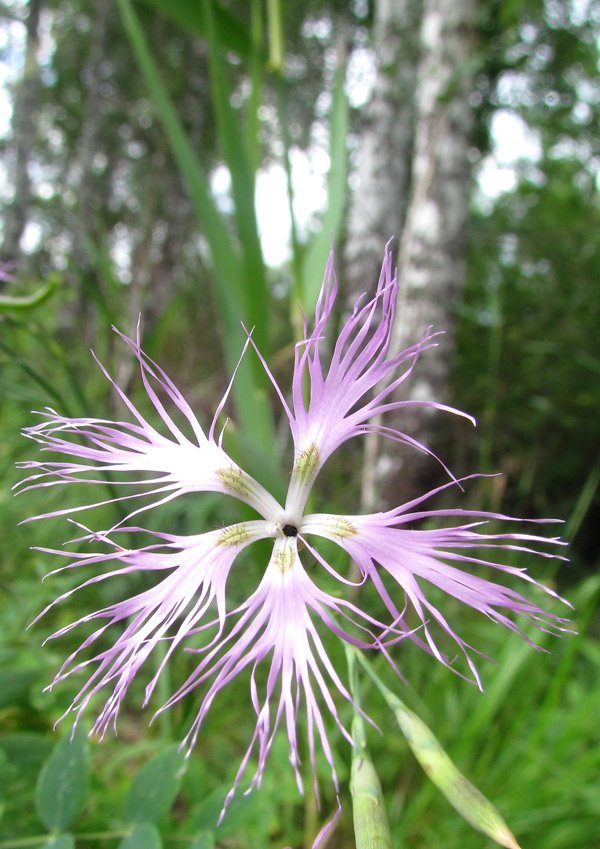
280	625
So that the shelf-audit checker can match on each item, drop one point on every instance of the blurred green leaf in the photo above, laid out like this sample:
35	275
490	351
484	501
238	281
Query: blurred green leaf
155	787
204	840
275	30
143	836
237	159
222	249
464	797
189	14
15	303
240	811
14	685
210	809
26	750
60	841
231	284
63	782
333	218
6	771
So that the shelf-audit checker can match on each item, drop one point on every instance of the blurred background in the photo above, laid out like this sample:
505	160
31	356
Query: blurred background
192	163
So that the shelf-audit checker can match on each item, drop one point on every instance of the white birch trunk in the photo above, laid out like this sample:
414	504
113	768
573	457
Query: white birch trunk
379	200
431	260
23	131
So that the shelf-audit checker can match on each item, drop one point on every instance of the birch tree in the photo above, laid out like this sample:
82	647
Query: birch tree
23	131
431	255
379	200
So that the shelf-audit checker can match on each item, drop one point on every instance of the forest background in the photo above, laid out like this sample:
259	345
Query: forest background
134	136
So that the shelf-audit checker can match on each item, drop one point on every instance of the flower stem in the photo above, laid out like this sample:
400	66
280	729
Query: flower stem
371	826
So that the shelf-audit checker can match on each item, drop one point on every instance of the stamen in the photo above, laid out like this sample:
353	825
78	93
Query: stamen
307	462
235	480
234	535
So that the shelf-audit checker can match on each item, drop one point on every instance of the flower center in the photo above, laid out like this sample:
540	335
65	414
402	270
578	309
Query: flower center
290	530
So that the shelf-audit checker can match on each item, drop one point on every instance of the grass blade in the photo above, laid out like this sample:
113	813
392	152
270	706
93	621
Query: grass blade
336	191
249	390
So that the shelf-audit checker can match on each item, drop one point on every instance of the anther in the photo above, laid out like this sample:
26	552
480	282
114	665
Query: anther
290	531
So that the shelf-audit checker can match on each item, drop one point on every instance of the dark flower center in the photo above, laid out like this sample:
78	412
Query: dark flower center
290	530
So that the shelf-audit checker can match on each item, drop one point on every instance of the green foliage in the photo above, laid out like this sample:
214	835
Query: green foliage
203	841
527	357
153	791
143	836
314	262
190	15
15	684
19	303
60	841
62	785
530	316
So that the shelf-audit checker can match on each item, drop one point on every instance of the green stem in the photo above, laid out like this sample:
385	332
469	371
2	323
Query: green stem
371	826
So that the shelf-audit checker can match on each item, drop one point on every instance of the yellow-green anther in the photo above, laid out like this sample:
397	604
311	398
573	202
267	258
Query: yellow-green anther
307	462
371	827
235	480
285	557
234	535
341	527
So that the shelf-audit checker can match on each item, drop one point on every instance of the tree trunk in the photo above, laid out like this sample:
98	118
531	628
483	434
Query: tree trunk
23	131
379	201
431	259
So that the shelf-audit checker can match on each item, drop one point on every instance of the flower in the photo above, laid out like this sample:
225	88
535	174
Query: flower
279	626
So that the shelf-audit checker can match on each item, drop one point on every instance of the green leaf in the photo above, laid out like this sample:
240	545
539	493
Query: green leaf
241	810
230	283
210	809
10	303
275	30
14	685
6	772
371	827
237	159
204	840
236	147
63	783
464	797
222	249
143	836
60	841
188	14
26	751
333	219
155	787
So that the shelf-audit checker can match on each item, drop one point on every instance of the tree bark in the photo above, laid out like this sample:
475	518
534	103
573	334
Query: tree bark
431	257
23	132
379	200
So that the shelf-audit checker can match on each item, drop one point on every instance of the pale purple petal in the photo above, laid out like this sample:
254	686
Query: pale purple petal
198	568
385	543
148	463
276	626
357	384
